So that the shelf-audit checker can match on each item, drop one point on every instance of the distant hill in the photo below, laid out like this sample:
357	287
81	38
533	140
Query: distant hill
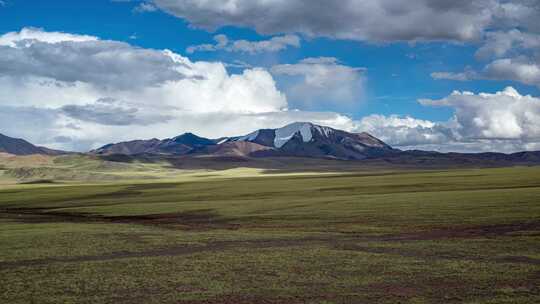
17	146
421	158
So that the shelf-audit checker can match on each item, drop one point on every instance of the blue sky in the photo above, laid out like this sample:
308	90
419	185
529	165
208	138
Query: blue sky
377	73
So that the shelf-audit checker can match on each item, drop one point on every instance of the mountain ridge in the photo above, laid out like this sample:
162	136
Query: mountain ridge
18	146
296	140
301	139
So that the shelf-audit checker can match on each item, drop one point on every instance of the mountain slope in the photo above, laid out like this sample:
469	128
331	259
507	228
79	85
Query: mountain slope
305	139
184	144
421	158
235	149
180	145
17	146
129	147
300	139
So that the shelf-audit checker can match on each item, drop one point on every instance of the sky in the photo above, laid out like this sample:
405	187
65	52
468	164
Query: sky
438	75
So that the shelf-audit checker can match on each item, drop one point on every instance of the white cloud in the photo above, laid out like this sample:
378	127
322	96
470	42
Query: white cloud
274	44
314	83
519	69
30	34
79	92
77	58
460	76
406	131
239	64
145	7
109	64
221	43
505	121
503	115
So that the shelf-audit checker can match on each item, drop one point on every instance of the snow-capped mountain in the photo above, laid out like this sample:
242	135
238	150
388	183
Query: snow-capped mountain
310	140
300	139
279	137
297	139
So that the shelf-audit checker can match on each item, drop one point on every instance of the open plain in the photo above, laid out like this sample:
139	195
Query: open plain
256	236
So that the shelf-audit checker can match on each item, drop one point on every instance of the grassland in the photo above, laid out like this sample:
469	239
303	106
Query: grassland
242	236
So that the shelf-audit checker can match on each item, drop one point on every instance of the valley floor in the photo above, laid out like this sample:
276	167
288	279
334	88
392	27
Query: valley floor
440	236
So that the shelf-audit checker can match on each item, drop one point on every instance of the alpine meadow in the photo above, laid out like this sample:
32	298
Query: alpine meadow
270	152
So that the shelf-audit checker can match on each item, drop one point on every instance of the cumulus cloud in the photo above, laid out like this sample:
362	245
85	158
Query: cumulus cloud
504	121
320	82
366	20
406	131
503	115
274	44
520	69
78	92
70	58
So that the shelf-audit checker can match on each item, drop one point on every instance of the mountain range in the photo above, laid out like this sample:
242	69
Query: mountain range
296	140
300	139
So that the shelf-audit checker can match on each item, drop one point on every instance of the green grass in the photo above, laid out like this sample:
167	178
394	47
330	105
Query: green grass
240	236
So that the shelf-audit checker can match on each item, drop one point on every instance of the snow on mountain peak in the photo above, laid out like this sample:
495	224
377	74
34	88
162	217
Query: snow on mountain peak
250	137
326	131
283	135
